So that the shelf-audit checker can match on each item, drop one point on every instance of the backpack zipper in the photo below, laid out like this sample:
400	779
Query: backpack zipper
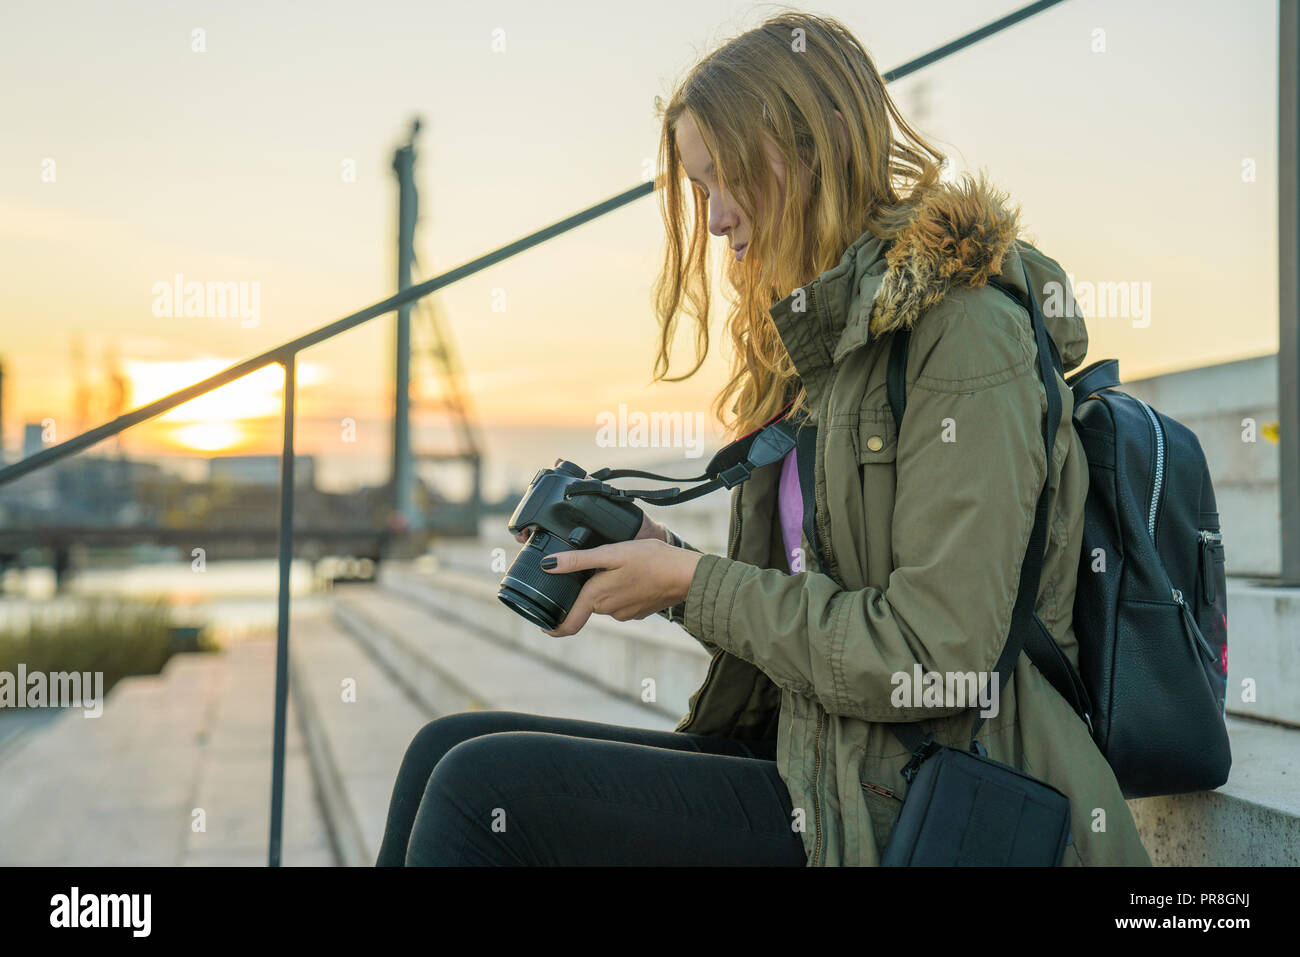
1210	539
1160	468
1193	631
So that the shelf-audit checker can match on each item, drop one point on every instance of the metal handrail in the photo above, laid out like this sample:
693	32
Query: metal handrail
291	348
286	354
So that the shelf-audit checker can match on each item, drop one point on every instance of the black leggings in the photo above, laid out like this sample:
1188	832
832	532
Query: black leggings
505	788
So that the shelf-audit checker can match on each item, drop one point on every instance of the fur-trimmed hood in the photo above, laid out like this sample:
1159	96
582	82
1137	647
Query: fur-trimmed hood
959	236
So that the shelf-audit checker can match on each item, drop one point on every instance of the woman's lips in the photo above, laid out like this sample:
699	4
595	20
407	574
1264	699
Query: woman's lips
740	250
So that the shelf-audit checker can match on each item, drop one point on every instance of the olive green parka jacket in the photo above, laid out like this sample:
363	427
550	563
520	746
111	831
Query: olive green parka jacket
926	530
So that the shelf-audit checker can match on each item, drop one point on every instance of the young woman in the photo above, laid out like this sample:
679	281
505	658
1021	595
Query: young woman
840	231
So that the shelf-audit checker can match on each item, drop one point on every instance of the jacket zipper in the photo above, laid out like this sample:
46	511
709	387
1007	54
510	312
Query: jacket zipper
733	539
821	714
1160	468
827	563
817	764
821	547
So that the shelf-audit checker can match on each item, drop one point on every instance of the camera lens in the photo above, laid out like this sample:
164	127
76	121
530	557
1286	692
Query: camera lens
542	597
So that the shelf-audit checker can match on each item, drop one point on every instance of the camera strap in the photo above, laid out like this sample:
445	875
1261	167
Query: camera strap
733	464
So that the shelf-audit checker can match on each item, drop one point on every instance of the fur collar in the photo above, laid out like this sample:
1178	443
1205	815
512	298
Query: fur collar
958	235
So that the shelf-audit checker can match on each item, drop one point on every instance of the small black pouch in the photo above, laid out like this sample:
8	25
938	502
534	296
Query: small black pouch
965	809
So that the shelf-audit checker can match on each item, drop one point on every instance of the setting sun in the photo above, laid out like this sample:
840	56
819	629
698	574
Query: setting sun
213	422
208	436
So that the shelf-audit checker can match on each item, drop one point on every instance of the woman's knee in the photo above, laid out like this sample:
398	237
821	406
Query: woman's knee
465	799
481	763
442	734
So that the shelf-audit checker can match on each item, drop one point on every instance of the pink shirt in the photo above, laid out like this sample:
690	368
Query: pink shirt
790	508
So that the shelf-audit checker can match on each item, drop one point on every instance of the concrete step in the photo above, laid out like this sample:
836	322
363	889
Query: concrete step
368	678
123	788
634	660
1253	820
358	722
452	664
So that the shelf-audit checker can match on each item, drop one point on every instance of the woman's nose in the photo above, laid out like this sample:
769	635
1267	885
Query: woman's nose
722	218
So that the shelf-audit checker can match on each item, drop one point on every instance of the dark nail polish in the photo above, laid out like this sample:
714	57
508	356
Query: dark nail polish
550	561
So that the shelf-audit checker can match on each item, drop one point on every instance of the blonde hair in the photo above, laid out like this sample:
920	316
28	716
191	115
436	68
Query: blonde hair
782	81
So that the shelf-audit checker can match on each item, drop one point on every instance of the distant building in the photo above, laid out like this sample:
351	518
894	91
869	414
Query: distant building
260	470
32	439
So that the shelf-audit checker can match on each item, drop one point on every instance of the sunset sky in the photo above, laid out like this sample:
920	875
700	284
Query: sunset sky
1132	164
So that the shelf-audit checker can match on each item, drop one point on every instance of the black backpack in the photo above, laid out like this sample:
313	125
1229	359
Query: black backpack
1150	607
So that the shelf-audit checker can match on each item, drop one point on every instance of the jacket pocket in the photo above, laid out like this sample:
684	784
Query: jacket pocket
884	805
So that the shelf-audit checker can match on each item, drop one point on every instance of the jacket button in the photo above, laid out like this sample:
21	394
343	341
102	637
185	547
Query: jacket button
875	443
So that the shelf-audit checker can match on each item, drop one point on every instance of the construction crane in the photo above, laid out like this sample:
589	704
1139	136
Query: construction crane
97	402
440	376
431	341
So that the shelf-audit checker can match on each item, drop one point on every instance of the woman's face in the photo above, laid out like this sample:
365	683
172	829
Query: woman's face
725	217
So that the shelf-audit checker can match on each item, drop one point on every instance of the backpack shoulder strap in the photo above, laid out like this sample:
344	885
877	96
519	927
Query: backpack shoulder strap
895	378
1103	374
1027	631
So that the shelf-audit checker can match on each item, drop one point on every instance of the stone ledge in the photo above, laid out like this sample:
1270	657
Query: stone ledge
1264	646
1253	820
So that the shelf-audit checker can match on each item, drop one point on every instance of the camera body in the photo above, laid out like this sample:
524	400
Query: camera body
560	523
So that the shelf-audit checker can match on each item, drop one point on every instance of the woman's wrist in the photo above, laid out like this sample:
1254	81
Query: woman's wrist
652	529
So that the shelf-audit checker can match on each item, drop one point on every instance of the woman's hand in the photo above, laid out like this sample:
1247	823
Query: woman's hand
636	579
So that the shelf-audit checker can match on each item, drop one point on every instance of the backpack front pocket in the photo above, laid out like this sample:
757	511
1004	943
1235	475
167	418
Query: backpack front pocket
1170	737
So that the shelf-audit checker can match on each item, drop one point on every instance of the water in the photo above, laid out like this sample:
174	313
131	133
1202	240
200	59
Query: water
238	598
233	599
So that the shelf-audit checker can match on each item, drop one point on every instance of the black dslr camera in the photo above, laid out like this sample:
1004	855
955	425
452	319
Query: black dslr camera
569	510
561	521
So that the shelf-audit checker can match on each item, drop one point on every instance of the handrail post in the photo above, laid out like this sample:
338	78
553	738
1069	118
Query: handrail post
1288	247
403	469
282	614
